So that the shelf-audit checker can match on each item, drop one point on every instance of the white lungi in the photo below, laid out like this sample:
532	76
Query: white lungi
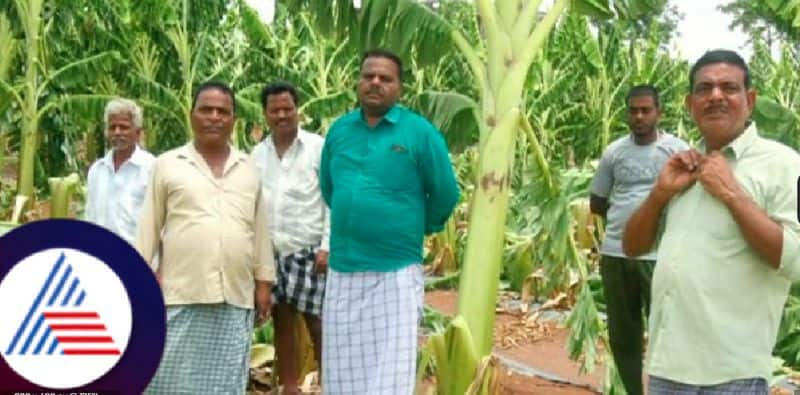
370	322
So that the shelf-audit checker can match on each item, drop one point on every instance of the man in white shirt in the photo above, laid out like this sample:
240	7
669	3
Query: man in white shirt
288	161
117	181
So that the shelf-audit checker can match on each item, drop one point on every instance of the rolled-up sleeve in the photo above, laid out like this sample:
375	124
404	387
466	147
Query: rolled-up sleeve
790	255
784	211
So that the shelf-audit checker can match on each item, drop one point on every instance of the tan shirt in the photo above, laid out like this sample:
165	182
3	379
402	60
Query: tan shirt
212	232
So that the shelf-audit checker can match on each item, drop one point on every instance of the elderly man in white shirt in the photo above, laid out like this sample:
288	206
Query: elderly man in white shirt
117	181
288	161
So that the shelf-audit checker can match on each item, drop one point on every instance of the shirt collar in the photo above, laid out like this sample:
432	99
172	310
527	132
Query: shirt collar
188	151
301	138
391	116
659	135
740	144
137	157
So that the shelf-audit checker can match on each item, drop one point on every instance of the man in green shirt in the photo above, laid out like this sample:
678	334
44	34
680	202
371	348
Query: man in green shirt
726	217
386	175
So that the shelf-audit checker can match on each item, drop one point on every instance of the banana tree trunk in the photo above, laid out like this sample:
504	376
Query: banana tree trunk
61	192
514	36
486	232
27	158
30	15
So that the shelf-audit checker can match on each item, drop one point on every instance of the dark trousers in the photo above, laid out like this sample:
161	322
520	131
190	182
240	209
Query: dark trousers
626	286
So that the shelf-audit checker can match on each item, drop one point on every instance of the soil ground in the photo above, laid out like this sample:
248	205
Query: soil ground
540	366
528	363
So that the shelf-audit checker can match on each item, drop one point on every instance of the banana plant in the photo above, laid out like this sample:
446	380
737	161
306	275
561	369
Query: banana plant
777	109
188	56
62	190
8	46
29	92
291	49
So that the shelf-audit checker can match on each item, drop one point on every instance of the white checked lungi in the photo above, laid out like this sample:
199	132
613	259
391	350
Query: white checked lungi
207	351
370	322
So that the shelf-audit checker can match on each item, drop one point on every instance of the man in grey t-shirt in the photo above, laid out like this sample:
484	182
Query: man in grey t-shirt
626	173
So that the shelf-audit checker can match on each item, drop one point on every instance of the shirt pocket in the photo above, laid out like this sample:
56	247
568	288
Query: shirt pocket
397	168
303	184
721	227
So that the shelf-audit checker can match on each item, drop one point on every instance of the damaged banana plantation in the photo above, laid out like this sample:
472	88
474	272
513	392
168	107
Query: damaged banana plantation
528	94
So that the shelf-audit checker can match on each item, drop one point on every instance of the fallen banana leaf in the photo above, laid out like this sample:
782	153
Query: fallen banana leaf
260	354
486	380
455	359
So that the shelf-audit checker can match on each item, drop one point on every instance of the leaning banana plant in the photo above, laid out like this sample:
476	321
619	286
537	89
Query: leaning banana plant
514	34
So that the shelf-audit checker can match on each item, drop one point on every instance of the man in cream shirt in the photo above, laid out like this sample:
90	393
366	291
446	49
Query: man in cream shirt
205	211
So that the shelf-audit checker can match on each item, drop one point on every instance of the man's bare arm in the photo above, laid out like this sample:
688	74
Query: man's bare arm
642	227
598	205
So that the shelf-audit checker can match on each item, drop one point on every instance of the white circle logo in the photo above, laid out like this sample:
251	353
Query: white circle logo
66	318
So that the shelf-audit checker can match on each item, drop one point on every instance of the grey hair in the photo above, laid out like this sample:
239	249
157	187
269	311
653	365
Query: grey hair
120	106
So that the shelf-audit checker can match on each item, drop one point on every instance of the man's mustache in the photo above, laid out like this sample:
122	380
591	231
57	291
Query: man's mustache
715	108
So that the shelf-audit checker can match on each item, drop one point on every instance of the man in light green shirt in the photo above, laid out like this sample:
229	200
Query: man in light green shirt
726	217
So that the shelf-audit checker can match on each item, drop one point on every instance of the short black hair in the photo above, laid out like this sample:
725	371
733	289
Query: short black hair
720	56
220	86
276	88
643	90
384	53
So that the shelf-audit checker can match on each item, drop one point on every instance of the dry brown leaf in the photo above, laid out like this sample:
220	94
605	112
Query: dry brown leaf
261	375
557	302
